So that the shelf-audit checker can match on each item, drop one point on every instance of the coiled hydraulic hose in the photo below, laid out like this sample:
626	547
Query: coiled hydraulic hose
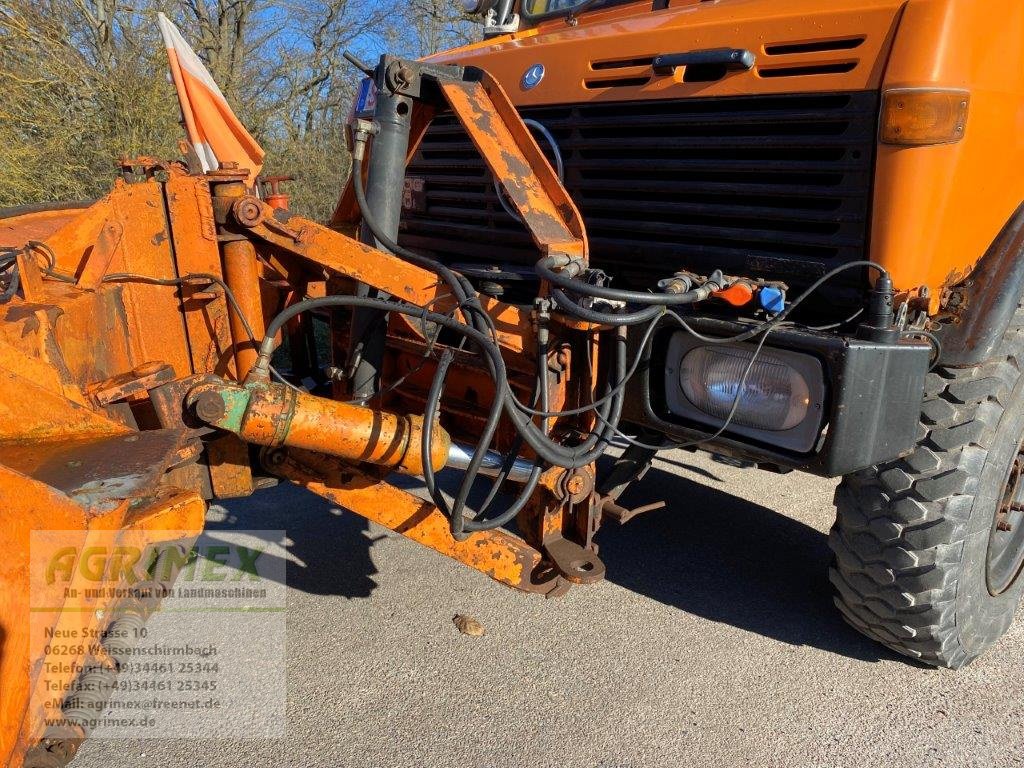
455	513
553	453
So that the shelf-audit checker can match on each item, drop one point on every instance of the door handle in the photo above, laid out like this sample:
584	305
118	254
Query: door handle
730	58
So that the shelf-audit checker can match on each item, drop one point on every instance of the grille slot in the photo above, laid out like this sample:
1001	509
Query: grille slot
644	61
815	46
803	70
773	186
617	82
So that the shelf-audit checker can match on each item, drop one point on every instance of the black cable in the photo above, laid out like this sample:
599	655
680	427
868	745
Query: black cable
644	342
833	326
131	277
428	352
459	524
553	453
935	342
728	421
532	481
50	270
767	325
468	301
429	417
779	318
9	266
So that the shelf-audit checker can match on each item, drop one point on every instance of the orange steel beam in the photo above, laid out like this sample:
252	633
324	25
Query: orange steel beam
515	159
196	250
344	256
498	554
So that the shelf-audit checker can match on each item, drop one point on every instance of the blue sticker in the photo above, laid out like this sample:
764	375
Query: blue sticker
366	101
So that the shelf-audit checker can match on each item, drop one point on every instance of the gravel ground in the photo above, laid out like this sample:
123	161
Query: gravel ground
712	642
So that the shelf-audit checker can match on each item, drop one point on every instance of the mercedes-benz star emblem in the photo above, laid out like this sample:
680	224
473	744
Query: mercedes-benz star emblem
533	76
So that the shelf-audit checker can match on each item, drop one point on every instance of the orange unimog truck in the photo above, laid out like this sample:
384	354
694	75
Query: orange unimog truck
780	139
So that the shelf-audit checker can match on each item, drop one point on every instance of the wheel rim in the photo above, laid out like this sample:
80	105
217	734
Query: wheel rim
1006	542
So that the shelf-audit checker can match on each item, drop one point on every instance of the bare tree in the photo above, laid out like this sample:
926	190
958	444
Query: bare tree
83	82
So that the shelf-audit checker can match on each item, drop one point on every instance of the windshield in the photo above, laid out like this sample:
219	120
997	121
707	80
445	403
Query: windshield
534	9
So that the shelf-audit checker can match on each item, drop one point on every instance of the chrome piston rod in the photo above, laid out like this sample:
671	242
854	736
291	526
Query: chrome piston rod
459	456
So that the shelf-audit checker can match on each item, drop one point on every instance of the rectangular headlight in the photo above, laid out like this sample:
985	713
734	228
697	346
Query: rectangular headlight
782	402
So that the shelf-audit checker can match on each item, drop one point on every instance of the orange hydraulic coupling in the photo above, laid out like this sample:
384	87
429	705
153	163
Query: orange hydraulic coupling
273	415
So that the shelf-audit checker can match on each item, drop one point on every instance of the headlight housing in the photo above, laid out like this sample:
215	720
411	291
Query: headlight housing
782	402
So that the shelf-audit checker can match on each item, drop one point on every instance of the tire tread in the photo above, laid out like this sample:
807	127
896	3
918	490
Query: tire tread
900	533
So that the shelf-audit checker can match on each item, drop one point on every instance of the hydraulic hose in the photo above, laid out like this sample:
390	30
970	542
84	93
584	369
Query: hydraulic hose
546	269
460	287
531	483
429	416
550	451
459	524
639	317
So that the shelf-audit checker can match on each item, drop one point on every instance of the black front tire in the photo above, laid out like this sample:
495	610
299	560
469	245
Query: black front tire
913	538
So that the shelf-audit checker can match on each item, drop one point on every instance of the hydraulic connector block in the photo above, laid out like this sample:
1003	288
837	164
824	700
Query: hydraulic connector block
268	414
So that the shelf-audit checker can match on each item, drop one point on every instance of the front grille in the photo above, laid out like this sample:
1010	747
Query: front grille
771	186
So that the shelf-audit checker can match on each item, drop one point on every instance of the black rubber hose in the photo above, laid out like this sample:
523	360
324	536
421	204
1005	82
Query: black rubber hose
432	407
461	289
591	449
429	416
537	440
531	482
641	350
545	269
540	396
473	469
638	317
459	285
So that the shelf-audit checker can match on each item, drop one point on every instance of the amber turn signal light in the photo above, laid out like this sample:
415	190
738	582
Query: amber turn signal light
920	116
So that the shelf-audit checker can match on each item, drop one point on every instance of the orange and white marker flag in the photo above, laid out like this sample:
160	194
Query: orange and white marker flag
215	132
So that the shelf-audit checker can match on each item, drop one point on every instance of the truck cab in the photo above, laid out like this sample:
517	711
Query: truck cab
787	142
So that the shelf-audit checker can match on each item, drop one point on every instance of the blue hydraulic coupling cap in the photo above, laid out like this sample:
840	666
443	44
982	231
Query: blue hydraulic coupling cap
772	299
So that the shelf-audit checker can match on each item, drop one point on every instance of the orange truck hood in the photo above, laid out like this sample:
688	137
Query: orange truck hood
800	45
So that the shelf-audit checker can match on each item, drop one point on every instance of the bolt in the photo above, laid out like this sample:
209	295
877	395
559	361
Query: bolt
210	407
248	211
575	485
1003	525
405	74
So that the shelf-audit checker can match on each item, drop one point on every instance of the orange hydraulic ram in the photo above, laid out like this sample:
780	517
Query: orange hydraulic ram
274	415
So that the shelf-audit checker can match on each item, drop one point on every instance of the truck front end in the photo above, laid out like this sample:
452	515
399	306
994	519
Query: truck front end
777	142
